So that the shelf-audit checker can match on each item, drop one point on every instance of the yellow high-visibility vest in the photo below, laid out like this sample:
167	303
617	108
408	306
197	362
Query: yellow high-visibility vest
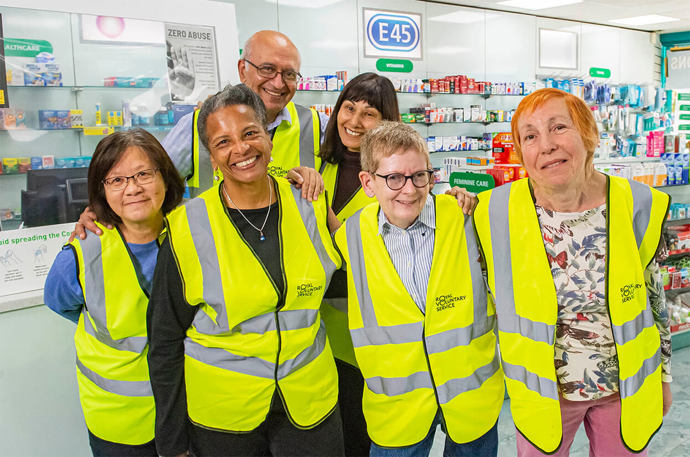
112	370
295	143
520	279
248	338
334	311
415	362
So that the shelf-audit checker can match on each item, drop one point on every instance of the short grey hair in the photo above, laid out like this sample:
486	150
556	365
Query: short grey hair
229	96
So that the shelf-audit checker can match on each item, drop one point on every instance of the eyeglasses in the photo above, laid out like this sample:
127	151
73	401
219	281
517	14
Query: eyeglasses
120	182
396	181
270	72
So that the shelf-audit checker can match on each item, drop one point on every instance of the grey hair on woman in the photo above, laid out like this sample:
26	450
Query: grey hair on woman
229	96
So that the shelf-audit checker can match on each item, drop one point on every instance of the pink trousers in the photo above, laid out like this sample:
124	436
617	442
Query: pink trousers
602	425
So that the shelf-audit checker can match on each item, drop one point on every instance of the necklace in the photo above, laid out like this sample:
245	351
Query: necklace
260	230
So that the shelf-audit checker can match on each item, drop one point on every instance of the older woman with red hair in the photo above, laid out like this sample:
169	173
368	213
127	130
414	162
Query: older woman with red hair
571	258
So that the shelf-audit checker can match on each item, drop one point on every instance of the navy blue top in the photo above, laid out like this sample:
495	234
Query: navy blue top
62	292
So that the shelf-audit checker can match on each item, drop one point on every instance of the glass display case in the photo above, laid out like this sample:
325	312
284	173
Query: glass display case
71	80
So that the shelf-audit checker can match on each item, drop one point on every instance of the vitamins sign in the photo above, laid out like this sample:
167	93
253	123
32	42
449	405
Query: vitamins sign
392	34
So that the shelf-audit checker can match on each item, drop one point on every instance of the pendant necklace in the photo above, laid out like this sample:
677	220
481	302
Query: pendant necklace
260	230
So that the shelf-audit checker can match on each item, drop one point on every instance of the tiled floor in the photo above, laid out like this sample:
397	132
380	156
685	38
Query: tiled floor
673	440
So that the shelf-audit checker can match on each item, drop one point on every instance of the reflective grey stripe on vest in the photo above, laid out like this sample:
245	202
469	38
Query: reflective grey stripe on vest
504	293
254	366
642	209
443	341
543	386
508	320
373	334
398	386
631	329
393	334
306	211
630	386
124	388
454	387
205	246
306	136
292	319
359	271
95	300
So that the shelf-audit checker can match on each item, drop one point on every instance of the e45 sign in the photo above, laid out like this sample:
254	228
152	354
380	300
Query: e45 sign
392	34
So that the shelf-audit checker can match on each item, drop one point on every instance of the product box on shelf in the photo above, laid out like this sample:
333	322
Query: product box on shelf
504	148
76	118
12	118
181	110
10	165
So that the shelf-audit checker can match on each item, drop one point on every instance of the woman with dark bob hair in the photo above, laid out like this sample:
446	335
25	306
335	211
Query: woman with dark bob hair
103	284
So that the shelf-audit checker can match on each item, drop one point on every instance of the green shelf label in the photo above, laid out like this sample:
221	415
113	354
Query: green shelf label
684	117
394	65
20	47
684	127
684	108
595	72
473	182
684	97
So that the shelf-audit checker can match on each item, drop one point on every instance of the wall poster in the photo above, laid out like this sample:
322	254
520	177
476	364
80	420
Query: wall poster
192	62
26	256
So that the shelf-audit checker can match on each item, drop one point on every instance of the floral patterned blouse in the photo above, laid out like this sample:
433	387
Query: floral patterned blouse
585	353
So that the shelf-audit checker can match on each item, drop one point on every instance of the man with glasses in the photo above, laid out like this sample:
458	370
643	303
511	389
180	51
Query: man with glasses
420	319
270	66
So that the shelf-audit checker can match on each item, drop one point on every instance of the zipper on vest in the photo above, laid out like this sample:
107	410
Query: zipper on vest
431	375
280	305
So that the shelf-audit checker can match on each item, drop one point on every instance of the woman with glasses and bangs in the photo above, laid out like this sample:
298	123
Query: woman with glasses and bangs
103	285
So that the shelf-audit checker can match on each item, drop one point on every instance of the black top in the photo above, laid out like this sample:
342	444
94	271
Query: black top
347	182
169	316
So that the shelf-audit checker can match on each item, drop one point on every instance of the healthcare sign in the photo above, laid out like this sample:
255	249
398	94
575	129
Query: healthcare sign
392	34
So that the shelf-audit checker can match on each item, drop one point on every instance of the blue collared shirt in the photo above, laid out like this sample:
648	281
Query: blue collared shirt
411	250
178	142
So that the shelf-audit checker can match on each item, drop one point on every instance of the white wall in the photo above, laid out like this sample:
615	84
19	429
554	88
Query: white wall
483	44
39	409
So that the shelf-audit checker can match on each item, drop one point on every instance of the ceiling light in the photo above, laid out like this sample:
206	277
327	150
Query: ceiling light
538	4
644	20
302	4
460	17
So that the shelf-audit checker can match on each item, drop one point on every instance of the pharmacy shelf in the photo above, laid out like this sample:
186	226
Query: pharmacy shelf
670	186
80	87
627	160
678	253
420	93
680	338
674	292
150	128
455	123
461	150
678	221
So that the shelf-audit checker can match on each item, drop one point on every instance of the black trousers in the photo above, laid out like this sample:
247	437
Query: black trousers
350	390
276	436
103	448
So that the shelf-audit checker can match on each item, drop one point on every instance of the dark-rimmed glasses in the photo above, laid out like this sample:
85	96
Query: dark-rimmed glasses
269	72
140	178
396	181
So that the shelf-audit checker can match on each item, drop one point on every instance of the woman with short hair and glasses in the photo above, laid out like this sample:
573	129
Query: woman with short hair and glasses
103	284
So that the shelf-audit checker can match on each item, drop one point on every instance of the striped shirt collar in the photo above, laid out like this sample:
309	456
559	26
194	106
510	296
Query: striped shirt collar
283	115
426	217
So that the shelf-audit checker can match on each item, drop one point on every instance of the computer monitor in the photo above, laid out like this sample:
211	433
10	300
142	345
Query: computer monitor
54	196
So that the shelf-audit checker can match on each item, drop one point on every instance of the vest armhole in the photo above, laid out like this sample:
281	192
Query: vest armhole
76	270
